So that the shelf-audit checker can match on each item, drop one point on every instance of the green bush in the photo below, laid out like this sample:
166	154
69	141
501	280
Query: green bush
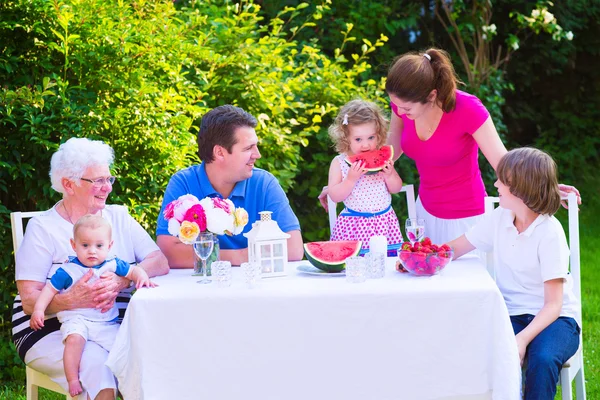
140	76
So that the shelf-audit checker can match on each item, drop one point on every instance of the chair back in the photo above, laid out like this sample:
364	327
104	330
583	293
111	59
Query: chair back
16	224
409	190
574	258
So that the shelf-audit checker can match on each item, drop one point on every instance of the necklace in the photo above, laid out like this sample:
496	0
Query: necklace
67	212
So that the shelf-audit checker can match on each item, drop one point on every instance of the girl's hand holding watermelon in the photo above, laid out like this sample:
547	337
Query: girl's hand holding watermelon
356	171
392	179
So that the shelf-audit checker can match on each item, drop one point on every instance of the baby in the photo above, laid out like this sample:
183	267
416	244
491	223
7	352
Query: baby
92	240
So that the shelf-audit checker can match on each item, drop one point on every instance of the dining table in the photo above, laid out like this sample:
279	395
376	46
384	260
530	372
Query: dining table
311	336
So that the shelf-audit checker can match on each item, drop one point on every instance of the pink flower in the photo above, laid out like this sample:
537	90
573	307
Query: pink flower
169	209
196	214
222	204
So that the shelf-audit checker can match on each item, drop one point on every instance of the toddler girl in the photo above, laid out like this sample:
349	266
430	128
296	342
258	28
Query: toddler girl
361	127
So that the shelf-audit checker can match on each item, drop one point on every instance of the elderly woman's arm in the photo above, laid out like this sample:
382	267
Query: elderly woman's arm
155	264
110	284
81	295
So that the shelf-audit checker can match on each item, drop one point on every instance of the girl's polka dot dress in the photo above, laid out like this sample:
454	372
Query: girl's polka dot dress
370	195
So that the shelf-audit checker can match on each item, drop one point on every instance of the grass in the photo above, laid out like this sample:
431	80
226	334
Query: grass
590	285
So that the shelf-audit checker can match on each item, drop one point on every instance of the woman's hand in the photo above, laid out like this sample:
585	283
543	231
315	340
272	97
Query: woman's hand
323	198
565	190
82	294
108	286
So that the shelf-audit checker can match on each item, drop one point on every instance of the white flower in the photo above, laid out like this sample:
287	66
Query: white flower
218	221
569	35
190	197
515	46
484	36
174	226
492	28
548	17
535	13
207	204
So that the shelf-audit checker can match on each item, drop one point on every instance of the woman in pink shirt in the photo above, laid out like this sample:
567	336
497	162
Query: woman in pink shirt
442	129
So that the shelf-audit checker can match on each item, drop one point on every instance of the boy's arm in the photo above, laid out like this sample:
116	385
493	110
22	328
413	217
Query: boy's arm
37	317
140	277
461	246
553	301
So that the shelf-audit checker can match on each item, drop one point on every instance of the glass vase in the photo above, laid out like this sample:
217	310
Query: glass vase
214	256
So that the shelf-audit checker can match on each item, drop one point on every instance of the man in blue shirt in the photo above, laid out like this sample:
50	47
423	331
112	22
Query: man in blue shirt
227	146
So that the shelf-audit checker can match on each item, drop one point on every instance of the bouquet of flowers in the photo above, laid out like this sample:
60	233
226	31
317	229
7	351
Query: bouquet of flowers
189	216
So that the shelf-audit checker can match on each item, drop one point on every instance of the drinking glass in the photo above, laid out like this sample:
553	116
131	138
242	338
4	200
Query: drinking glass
203	246
356	269
415	229
252	272
221	273
375	265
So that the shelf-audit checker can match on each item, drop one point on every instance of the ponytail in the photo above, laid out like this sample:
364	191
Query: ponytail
413	76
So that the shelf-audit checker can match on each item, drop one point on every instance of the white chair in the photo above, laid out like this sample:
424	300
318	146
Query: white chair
410	202
34	378
573	368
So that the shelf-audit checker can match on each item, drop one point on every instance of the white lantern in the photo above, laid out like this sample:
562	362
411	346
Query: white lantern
267	246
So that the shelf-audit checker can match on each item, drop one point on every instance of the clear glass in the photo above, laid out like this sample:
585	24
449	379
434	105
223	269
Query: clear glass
203	246
221	273
375	265
356	269
415	229
252	273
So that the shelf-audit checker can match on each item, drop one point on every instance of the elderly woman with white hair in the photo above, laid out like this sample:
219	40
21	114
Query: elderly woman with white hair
80	170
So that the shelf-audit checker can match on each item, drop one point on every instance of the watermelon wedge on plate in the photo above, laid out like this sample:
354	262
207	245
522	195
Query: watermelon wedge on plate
374	160
331	256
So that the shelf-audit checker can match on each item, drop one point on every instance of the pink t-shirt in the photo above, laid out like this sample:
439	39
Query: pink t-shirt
451	186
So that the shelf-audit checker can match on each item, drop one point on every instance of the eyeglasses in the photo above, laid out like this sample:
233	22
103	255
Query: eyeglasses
100	181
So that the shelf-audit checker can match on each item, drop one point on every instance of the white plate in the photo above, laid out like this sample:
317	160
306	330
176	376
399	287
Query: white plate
309	269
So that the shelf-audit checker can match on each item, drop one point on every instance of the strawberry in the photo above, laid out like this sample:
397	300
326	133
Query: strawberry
433	261
426	242
419	257
405	255
406	246
417	246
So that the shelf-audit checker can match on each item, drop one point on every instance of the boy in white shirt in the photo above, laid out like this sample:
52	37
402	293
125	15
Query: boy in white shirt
92	240
531	261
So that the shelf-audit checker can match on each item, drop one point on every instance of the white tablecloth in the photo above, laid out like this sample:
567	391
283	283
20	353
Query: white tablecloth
319	337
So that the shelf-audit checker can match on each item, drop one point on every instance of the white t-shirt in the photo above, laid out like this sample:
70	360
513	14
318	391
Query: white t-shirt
524	261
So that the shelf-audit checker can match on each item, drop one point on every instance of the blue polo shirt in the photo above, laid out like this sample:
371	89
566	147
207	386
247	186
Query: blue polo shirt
261	192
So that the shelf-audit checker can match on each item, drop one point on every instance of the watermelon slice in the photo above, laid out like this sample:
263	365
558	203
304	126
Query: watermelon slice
375	159
331	256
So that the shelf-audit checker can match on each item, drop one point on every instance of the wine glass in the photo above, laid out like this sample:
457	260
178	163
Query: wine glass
415	229
203	246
